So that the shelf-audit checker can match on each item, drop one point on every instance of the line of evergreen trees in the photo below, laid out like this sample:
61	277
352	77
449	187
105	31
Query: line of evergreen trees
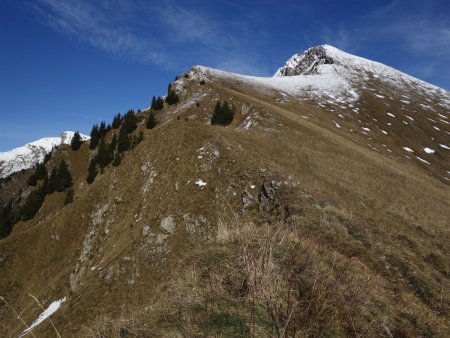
157	103
59	180
223	114
112	152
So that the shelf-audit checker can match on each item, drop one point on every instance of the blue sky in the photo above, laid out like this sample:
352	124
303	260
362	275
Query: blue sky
66	64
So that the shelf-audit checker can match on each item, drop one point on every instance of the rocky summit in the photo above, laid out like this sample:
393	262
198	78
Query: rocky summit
308	204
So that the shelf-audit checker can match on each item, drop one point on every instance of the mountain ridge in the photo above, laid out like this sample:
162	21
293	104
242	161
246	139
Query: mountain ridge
299	218
32	153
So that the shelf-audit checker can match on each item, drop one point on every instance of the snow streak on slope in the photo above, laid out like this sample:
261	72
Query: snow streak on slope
52	308
32	153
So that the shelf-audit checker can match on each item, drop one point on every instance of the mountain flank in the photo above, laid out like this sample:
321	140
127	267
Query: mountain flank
318	206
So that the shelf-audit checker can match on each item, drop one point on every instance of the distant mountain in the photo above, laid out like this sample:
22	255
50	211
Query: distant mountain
30	154
393	112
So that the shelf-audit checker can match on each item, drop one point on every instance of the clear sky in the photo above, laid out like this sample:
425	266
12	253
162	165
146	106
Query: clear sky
66	64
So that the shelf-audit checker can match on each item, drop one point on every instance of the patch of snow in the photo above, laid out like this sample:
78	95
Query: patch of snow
428	150
409	117
444	146
379	96
337	124
365	129
391	115
409	150
421	159
384	132
52	308
436	128
200	182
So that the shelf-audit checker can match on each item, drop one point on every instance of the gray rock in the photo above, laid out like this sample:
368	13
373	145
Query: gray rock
168	225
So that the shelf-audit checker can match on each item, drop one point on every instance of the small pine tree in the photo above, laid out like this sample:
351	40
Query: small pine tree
153	105
69	196
32	204
64	178
76	141
102	129
95	137
104	155
32	180
223	114
53	179
171	97
158	104
41	171
92	171
129	122
123	144
47	187
10	214
117	121
151	121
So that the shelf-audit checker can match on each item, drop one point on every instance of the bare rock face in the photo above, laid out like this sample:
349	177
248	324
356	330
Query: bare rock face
306	63
168	225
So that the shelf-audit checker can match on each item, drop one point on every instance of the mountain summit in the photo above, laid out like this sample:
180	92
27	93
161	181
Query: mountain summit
311	203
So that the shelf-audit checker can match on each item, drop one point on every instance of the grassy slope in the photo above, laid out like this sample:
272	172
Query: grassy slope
351	241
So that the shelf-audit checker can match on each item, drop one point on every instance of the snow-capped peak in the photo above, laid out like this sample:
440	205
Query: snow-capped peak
307	62
30	154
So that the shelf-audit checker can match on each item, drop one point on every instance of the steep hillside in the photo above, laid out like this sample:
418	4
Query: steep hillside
306	216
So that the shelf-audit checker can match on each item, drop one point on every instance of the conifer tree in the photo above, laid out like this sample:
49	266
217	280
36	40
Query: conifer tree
104	155
32	204
153	105
151	121
117	120
32	180
76	141
129	122
95	137
41	171
172	97
223	114
92	171
123	144
47	187
63	177
9	215
102	129
108	128
157	104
